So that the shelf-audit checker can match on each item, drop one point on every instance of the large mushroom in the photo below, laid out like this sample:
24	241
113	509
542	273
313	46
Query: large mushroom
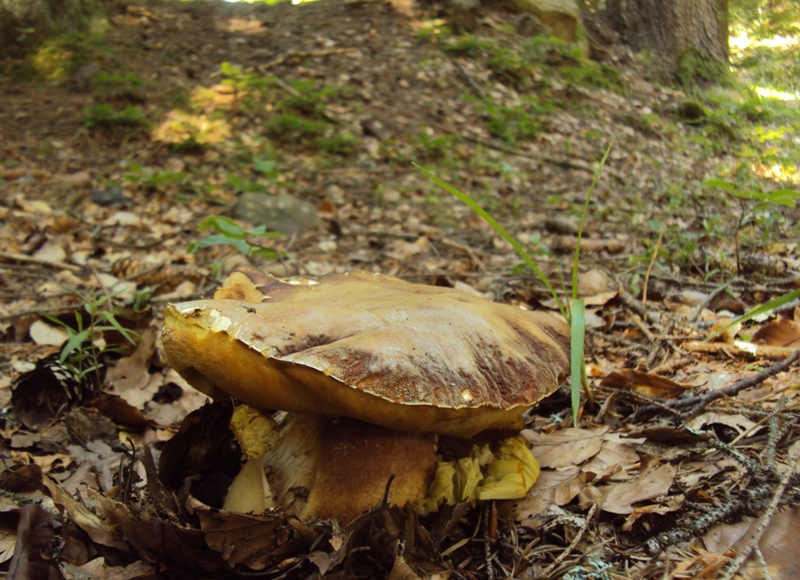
396	361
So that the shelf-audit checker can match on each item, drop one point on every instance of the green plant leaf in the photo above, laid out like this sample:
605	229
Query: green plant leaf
500	231
577	366
576	259
785	197
721	184
129	335
220	239
223	225
73	344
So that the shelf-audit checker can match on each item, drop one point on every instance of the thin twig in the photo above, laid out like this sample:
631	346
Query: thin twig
739	348
469	251
564	553
15	257
701	401
707	300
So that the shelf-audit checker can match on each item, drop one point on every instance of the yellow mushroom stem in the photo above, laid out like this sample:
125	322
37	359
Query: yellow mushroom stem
318	467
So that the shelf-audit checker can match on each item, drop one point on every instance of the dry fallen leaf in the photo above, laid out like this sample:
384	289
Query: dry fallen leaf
778	544
553	487
644	383
650	484
47	334
567	447
779	333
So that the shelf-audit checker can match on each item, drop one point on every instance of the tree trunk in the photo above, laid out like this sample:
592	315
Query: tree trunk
27	22
670	28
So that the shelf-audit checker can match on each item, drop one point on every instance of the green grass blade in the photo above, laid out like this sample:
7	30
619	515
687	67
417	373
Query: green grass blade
758	310
583	220
577	336
500	230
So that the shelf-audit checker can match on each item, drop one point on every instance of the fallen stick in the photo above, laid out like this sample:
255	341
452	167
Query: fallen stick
740	348
699	402
15	257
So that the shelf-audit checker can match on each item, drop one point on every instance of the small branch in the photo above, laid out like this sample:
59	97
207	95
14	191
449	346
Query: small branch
699	402
469	251
717	291
564	553
15	257
740	348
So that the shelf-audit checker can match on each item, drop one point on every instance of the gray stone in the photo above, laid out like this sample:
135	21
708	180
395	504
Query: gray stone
282	213
561	17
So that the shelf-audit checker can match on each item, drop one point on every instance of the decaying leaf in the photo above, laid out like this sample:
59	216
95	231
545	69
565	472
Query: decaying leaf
566	447
650	484
778	544
645	383
784	333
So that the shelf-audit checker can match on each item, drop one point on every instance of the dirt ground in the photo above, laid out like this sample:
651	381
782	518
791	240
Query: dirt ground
685	464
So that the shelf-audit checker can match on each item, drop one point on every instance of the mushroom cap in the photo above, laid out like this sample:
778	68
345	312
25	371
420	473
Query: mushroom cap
370	347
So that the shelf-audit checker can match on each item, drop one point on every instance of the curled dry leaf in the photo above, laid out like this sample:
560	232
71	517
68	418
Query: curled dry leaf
644	383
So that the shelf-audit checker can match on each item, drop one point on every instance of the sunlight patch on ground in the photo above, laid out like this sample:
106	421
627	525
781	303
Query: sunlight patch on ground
742	42
769	93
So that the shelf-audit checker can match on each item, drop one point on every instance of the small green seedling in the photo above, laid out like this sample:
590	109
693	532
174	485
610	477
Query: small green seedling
107	116
81	354
232	234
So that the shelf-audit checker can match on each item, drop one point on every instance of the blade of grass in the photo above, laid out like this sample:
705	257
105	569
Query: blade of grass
500	230
758	310
577	363
583	220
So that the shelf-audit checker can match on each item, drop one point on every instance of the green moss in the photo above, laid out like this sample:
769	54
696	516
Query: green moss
695	69
288	128
107	116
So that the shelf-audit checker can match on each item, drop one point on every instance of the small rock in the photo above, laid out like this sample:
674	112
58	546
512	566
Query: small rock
282	213
561	225
110	197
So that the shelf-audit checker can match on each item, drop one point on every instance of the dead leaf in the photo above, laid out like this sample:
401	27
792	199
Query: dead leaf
553	487
567	447
778	544
132	372
118	410
779	333
738	422
97	569
257	542
650	484
644	383
47	334
613	457
34	534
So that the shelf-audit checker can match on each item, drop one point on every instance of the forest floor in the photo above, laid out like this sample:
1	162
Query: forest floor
114	152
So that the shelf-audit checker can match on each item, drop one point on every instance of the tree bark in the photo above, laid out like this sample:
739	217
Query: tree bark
27	22
671	27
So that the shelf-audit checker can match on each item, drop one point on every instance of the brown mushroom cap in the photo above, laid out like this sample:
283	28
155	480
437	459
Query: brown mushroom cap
371	347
